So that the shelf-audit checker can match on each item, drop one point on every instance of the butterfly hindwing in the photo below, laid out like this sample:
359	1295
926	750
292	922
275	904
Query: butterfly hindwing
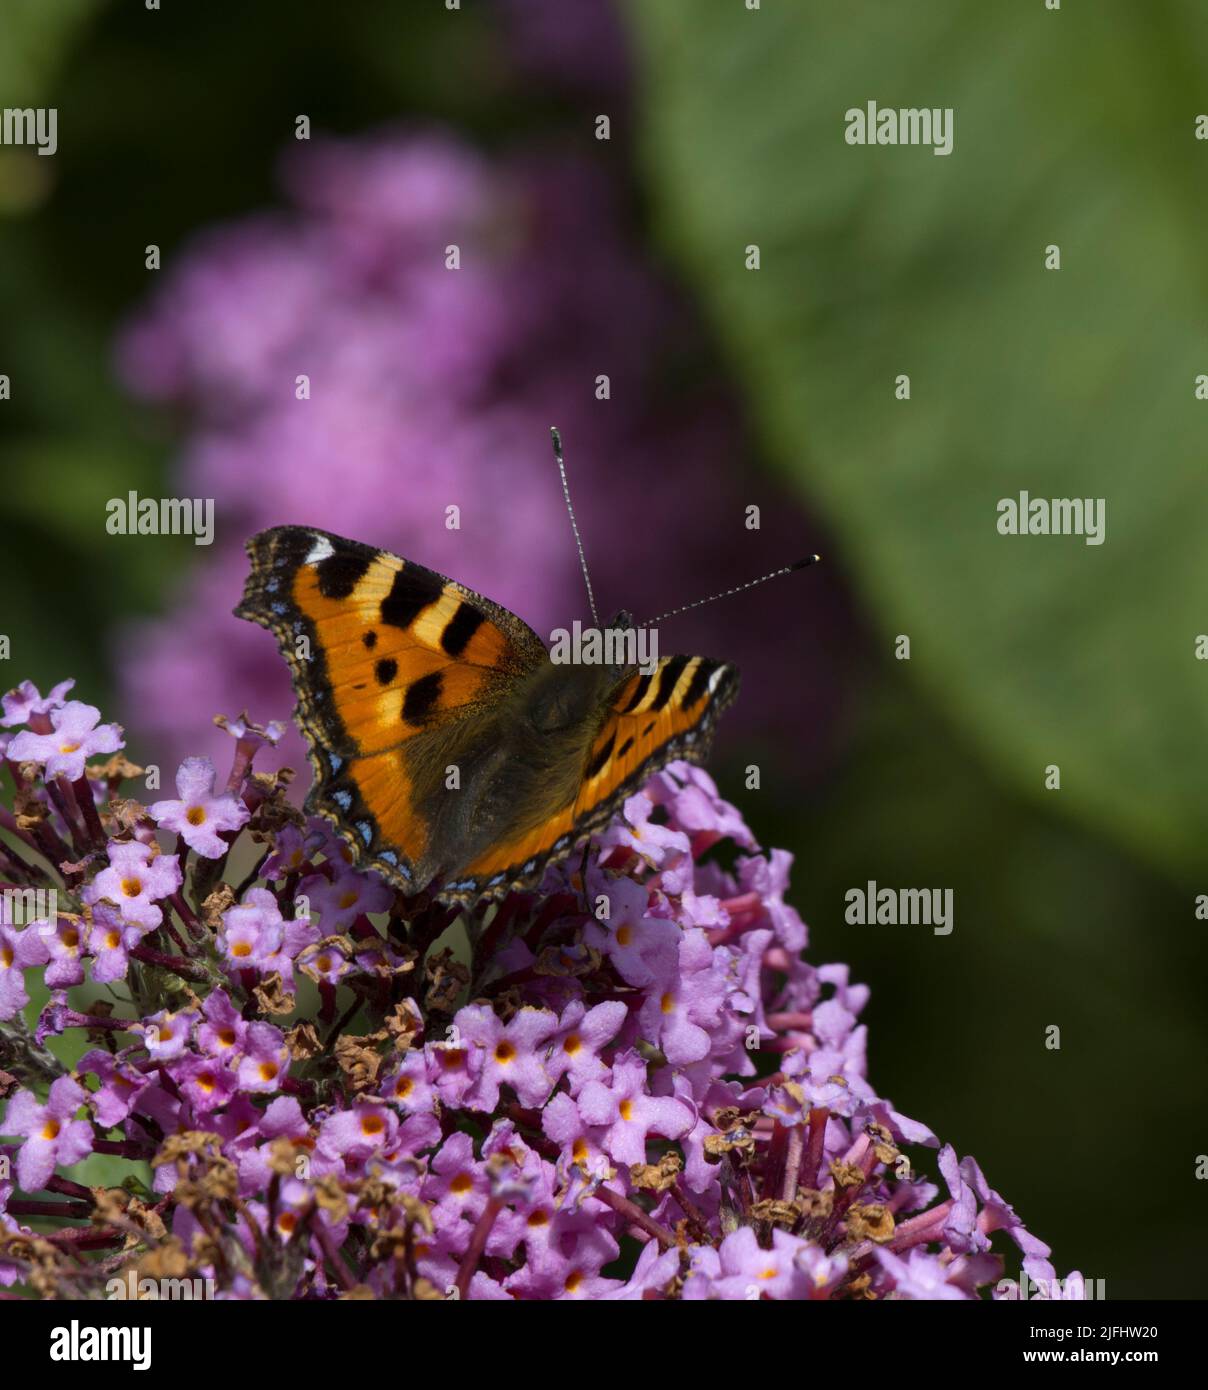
393	665
645	723
651	721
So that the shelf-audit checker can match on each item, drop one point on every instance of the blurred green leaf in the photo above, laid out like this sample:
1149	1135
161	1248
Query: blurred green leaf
1072	127
33	37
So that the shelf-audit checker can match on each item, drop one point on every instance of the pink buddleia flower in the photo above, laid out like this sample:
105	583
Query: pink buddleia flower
574	1051
628	1113
20	949
199	816
223	1031
634	830
109	941
340	901
64	939
135	881
265	1059
747	1270
205	1083
76	736
121	1085
52	1134
23	702
167	1035
511	1054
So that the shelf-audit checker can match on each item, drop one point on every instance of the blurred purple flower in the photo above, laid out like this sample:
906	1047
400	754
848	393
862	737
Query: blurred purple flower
576	51
432	389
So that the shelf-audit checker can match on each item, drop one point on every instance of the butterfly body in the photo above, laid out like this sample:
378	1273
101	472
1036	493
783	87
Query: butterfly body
450	751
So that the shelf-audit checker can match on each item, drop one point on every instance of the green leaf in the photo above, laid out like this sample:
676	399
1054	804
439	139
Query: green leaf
33	37
1073	127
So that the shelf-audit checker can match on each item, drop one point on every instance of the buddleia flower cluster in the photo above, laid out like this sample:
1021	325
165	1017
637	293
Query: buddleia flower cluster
629	1084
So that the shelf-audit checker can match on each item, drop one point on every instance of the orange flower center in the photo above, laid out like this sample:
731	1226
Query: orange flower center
572	1045
504	1053
132	887
196	815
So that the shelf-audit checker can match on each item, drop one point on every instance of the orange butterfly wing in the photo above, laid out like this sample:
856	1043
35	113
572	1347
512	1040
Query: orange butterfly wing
382	652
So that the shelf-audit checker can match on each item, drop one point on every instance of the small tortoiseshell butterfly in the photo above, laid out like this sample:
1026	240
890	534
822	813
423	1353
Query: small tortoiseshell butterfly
412	678
450	751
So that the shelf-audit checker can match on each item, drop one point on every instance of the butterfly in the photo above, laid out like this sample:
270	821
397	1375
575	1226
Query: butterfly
450	751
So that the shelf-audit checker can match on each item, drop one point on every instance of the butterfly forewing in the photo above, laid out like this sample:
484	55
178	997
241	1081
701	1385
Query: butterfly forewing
385	655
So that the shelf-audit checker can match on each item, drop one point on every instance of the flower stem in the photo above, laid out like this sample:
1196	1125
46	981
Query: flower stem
634	1215
478	1243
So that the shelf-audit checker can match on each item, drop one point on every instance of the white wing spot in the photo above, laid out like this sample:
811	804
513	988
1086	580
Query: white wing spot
321	549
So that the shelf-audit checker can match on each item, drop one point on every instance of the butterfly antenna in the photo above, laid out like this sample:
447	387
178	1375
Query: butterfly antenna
591	598
750	584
